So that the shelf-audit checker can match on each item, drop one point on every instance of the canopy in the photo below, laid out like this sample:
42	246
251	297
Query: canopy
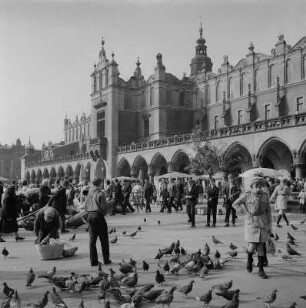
173	175
2	179
265	172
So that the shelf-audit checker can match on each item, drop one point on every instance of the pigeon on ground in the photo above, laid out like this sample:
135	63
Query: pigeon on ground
152	295
132	280
292	251
292	305
276	237
303	297
5	252
72	237
6	303
232	246
290	237
145	266
183	251
114	240
15	300
217	254
48	274
227	294
294	227
139	228
291	242
205	298
269	299
176	268
126	268
159	278
232	253
56	299
41	303
166	267
133	234
215	240
302	221
223	286
187	288
123	232
144	220
7	291
100	272
30	278
206	250
169	250
79	287
166	298
111	231
159	254
234	303
204	271
158	222
132	262
117	276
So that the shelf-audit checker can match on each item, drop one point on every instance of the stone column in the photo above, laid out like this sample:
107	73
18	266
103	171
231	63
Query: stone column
298	171
151	178
297	164
169	167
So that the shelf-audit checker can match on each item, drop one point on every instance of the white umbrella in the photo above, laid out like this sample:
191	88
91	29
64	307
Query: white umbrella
264	172
2	179
173	175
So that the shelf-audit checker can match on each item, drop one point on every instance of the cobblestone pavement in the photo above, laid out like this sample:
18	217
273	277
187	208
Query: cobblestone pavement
288	277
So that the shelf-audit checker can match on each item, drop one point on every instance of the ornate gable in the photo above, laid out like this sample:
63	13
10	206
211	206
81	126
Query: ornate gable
300	44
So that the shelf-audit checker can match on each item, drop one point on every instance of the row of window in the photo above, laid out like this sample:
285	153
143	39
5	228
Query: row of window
99	85
76	133
267	112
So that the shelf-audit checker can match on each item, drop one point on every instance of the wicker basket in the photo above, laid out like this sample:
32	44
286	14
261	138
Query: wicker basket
50	252
69	252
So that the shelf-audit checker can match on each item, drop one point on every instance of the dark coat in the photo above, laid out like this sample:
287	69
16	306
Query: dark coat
8	215
148	190
44	196
59	201
212	196
231	194
127	189
118	192
191	194
179	191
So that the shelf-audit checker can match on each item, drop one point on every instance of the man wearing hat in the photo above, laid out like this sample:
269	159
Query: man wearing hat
96	206
258	221
47	224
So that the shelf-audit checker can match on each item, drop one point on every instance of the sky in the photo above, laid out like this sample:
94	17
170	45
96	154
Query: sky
48	49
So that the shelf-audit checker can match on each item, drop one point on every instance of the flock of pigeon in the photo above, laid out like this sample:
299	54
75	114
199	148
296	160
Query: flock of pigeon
122	288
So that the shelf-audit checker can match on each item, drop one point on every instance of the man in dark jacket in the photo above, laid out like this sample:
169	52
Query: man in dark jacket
231	193
59	202
148	194
1	193
127	189
179	192
191	194
118	198
96	206
212	202
172	194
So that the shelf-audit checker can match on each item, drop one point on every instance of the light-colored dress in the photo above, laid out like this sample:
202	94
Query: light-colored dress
281	195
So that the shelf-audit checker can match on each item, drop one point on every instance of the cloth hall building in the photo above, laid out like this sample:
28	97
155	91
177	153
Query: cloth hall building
143	127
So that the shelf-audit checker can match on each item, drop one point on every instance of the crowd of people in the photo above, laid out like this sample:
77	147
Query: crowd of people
53	204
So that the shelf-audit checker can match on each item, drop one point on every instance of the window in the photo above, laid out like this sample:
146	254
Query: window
95	84
299	105
100	81
230	88
76	134
101	124
239	117
146	127
218	92
303	67
216	122
242	82
182	98
256	81
267	112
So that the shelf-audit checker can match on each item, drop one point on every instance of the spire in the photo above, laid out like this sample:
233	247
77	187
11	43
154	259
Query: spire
137	72
201	48
159	58
102	54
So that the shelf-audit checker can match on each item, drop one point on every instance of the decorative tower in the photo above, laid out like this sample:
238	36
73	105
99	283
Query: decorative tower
160	70
113	71
201	61
137	72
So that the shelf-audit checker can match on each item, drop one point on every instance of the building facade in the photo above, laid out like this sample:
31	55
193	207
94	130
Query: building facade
145	128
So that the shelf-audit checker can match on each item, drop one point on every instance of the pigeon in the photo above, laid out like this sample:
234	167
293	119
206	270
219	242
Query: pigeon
114	240
123	232
48	274
126	268
233	253
132	235
217	254
294	227
159	254
70	283
132	280
205	298
276	237
232	246
290	237
166	267
72	237
30	278
159	278
158	222
145	266
176	268
269	299
166	298
292	305
292	251
224	286
234	303
146	288
169	250
152	295
139	228
206	250
187	289
227	294
5	252
291	242
41	303
215	241
7	291
204	271
303	297
111	231
100	272
79	287
132	262
56	299
302	221
183	251
144	220
15	300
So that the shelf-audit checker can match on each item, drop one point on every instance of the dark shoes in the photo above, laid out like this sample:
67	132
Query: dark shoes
262	275
278	226
107	262
213	226
207	226
95	264
19	238
226	225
